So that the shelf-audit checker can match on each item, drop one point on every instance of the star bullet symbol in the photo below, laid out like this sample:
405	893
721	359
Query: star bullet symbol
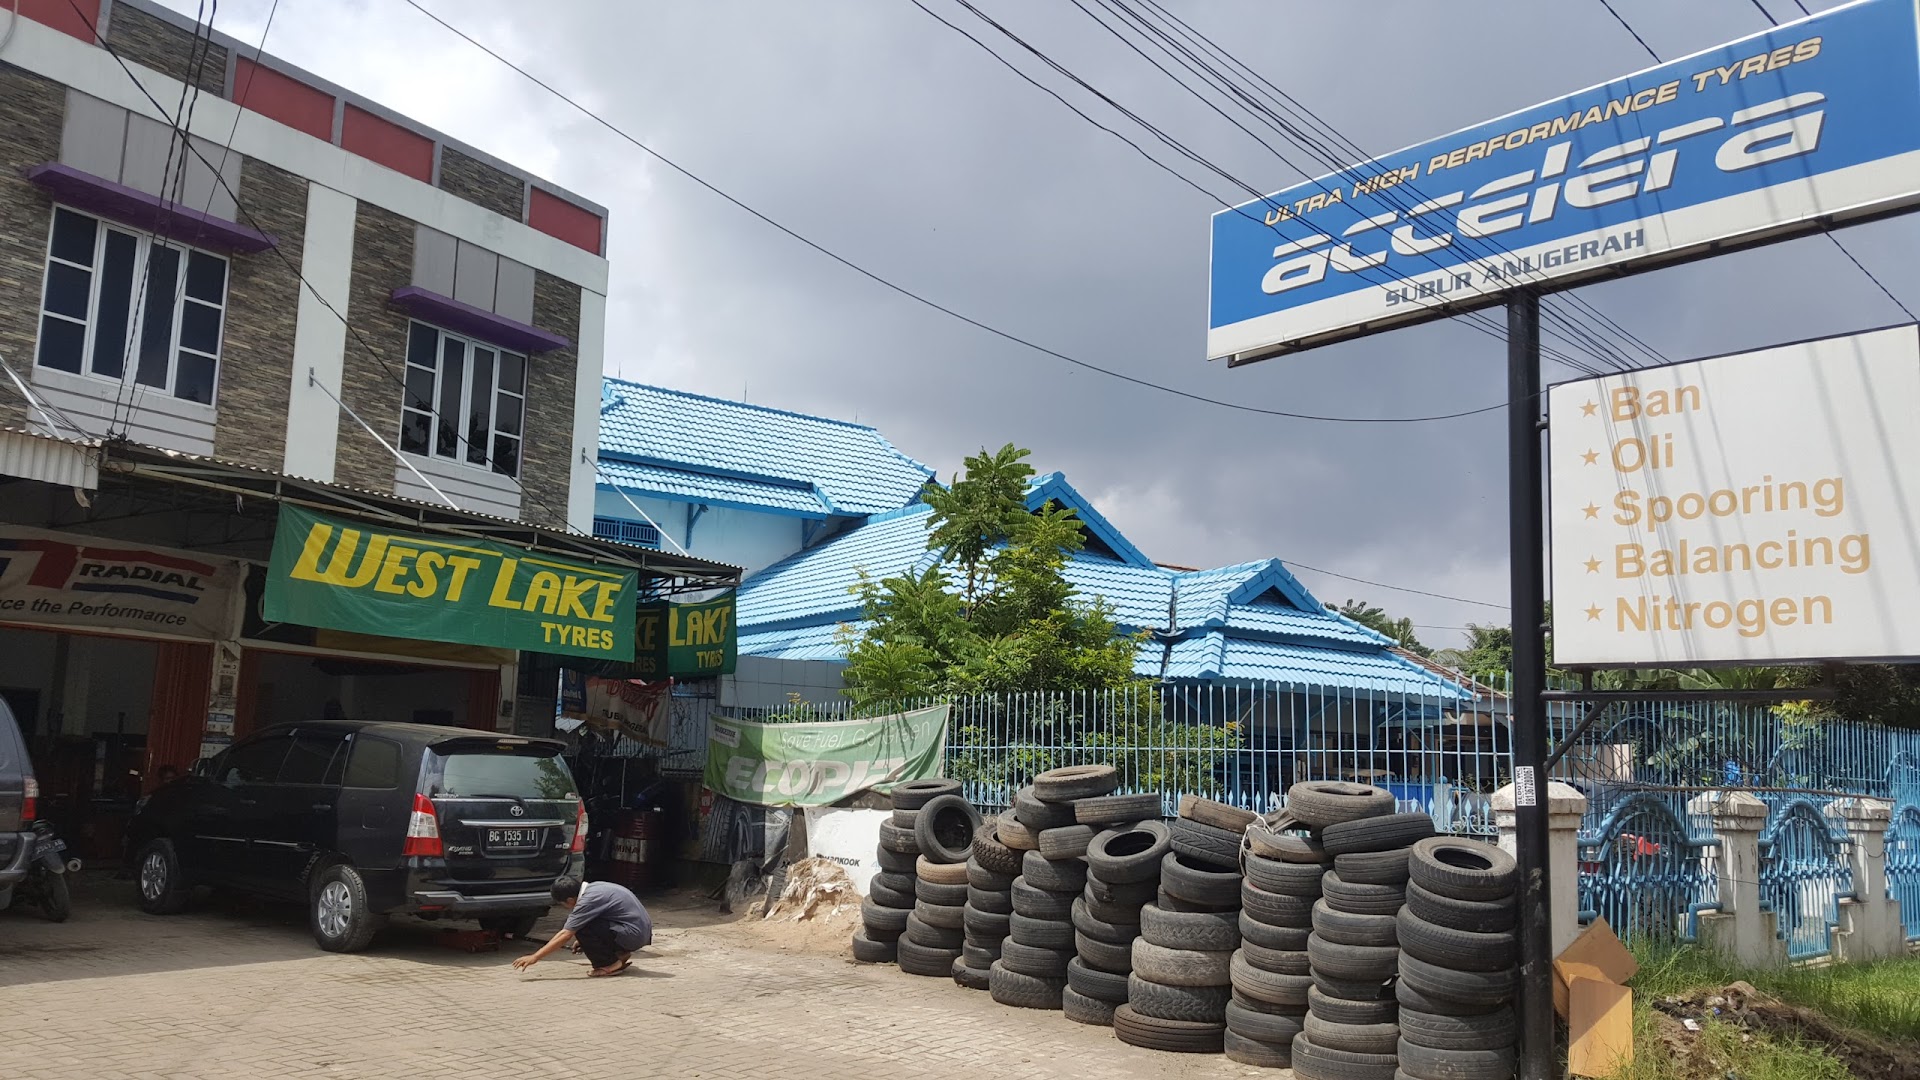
1587	409
1593	566
1593	511
1593	613
1591	457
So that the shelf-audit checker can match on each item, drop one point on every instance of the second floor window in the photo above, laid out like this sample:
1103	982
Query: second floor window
131	309
465	400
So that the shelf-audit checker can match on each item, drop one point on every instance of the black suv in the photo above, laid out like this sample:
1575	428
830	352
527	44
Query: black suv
17	796
363	820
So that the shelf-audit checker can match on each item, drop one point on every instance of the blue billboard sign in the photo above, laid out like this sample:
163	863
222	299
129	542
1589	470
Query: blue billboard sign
1802	126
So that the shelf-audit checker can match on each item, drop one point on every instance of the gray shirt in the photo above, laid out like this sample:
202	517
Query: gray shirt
622	911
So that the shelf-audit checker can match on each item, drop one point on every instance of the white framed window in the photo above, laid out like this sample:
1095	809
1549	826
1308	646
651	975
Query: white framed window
128	308
465	400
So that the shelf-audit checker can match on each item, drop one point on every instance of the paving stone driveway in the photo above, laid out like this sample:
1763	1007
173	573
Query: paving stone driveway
238	990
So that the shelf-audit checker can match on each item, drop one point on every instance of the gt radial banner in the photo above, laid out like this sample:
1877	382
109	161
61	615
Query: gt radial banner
1806	123
818	764
59	580
346	575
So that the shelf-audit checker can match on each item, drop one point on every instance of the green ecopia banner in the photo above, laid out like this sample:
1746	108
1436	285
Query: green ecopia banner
346	575
818	764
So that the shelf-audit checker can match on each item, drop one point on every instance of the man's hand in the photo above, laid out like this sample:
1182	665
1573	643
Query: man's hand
525	962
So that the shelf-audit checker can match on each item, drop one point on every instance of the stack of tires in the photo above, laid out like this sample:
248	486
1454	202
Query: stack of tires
1272	983
1180	986
892	893
1123	875
989	911
1458	957
1032	970
943	826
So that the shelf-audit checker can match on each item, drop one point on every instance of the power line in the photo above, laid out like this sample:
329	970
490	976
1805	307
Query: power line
1395	588
1636	33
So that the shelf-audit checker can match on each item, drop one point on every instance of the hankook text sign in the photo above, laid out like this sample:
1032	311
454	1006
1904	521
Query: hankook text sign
1812	121
1752	508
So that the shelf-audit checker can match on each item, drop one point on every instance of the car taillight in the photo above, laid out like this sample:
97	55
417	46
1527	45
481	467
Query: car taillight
423	830
580	829
30	806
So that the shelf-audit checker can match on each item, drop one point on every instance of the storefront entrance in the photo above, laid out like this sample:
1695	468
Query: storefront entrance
282	687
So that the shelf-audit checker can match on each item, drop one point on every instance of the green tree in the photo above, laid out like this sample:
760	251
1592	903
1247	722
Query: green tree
1376	619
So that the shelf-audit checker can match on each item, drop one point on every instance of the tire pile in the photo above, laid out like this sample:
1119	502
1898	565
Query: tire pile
1180	985
1458	957
913	913
1123	876
988	916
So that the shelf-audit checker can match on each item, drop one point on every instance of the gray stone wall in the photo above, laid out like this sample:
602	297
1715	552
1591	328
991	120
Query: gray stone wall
29	134
478	182
370	381
166	48
546	467
263	300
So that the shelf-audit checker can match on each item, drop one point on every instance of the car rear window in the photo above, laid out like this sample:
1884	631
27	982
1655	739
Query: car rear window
512	775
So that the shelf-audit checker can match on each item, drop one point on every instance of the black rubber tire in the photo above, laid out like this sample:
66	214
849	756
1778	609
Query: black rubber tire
362	922
1353	1038
1173	1036
928	892
1015	836
1125	856
160	884
1125	913
905	818
896	862
1413	1000
56	902
914	794
1456	949
945	829
927	935
1427	1063
1082	1009
1169	902
1463	869
898	882
993	856
1264	1026
1361	899
1276	909
1497	1030
1010	987
985	925
1278	961
994	900
980	954
1217	814
1197	883
888	895
1361	963
1384	833
1269	936
1464	987
1085	921
1111	810
1254	1004
1075	782
1288	878
879	917
1065	842
1268	986
1348	1011
1352	989
1100	985
1181	967
1314	1062
969	978
1128	896
1054	875
1206	931
1284	846
868	951
1260	1055
1320	803
1037	962
926	869
1040	903
1204	844
991	881
1350	929
1037	815
904	841
918	959
1373	867
1041	933
1168	1001
1104	955
1475	916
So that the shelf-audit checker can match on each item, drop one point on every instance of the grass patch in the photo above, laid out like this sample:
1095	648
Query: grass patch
1882	998
1724	1050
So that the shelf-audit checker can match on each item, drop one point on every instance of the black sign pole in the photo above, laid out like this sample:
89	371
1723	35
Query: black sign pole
1527	542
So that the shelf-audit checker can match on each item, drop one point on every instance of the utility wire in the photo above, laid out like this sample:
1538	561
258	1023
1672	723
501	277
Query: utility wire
1395	588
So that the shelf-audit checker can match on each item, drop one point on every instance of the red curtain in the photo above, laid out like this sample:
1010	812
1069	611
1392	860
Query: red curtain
182	671
483	698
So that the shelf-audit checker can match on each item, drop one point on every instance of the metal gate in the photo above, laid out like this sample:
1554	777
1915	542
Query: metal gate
1645	872
1903	866
1804	874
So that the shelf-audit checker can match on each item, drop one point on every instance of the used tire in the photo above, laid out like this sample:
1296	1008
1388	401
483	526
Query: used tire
905	818
896	862
1097	984
1065	842
1361	899
1284	846
1461	950
1260	1055
1075	782
969	977
1463	869
1320	803
1268	986
161	884
1206	844
1290	878
1124	856
914	794
868	951
895	838
883	891
877	917
1352	989
992	855
1128	896
1010	987
927	892
1497	1030
1384	833
931	961
1041	933
1267	935
1486	988
1175	1036
1355	1038
982	878
1170	902
1361	963
1117	809
1276	909
1346	1011
1037	962
340	912
1181	967
1125	912
1165	1001
1082	1009
1205	931
1217	814
1037	815
1054	875
1040	903
1198	883
981	954
954	873
1350	929
1412	1000
1312	1061
997	901
1015	835
1373	867
1085	921
1278	961
1429	1063
1264	1026
921	932
945	829
1476	916
1104	955
985	925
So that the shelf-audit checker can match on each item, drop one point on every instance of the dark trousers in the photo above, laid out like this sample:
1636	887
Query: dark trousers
597	941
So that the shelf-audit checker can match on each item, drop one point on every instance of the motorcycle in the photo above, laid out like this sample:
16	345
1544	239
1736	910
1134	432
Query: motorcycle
46	883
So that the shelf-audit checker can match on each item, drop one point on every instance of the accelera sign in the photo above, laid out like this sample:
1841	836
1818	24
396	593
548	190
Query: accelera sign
1808	122
1751	508
344	575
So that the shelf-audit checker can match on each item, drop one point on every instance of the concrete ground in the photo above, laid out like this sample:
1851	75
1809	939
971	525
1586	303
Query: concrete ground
235	988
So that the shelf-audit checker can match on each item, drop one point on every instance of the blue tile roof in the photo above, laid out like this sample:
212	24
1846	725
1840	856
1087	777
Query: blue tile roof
1214	657
680	485
853	469
817	585
804	643
1140	596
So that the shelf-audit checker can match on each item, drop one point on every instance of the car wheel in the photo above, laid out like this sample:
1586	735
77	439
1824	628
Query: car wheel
56	903
342	917
516	927
163	889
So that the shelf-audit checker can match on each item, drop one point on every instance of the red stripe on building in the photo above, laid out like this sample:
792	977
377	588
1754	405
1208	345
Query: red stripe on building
75	17
381	140
559	218
283	98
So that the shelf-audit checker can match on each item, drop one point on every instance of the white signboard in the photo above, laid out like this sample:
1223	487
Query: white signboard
1753	508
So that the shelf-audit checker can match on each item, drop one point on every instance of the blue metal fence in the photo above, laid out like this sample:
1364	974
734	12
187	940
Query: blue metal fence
1804	874
1646	871
1903	865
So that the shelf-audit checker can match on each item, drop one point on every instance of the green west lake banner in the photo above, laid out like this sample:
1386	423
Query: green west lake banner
347	575
686	640
818	764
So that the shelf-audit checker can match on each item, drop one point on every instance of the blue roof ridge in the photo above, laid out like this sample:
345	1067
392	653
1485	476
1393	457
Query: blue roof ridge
708	470
853	424
1056	481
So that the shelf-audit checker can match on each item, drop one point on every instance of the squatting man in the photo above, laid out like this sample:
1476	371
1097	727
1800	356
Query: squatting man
604	920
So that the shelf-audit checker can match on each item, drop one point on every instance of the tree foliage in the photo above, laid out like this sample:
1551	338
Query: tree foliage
1376	619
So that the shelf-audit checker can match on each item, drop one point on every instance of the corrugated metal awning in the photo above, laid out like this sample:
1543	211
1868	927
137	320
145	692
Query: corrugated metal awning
65	462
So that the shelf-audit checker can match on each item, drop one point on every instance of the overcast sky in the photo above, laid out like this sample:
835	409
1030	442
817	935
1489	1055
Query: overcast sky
876	131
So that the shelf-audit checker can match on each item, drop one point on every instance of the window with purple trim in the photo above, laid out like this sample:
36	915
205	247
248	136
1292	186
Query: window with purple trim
128	308
465	400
